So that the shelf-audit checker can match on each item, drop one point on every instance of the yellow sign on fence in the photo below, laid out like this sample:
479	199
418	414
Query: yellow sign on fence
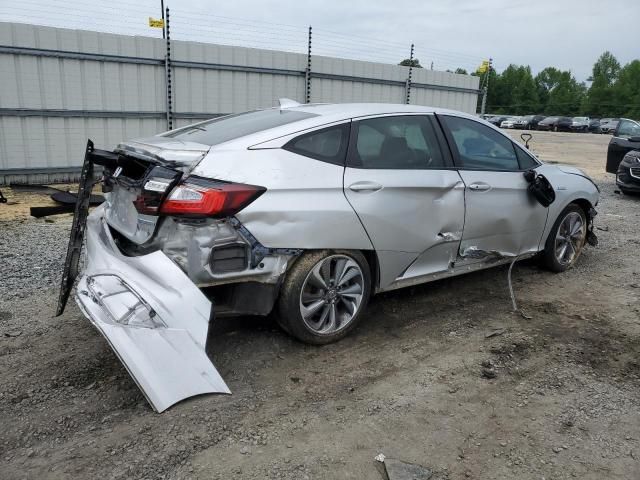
483	67
156	23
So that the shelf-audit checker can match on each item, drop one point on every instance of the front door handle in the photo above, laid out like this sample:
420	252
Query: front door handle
480	187
365	187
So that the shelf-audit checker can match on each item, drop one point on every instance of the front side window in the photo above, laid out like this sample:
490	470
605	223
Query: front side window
396	142
328	145
525	160
628	128
480	147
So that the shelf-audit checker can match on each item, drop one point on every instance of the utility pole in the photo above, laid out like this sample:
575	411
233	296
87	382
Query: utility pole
408	84
307	73
162	14
486	88
167	71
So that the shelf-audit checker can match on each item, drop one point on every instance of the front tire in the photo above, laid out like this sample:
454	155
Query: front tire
324	295
566	239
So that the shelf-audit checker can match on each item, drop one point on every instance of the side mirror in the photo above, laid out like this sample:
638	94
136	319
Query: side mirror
635	138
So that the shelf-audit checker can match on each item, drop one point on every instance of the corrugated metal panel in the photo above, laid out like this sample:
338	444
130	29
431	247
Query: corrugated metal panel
112	87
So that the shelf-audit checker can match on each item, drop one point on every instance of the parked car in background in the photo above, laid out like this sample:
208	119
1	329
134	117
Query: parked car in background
609	125
623	156
202	220
528	122
580	124
497	120
557	124
594	125
509	122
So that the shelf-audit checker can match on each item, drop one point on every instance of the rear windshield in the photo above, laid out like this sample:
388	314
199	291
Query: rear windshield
230	127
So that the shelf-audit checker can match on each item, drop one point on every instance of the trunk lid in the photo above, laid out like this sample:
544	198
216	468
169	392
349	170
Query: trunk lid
145	172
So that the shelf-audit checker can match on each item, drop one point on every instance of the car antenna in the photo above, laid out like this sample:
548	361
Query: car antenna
288	103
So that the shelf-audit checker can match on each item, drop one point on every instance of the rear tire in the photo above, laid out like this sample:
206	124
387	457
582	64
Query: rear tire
566	239
324	295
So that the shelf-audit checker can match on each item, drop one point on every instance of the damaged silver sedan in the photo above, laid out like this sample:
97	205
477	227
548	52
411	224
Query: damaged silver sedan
305	210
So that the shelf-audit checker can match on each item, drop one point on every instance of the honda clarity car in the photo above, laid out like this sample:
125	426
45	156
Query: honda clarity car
306	212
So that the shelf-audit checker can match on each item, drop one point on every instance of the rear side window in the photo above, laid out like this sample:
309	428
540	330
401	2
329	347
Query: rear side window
480	147
396	142
328	145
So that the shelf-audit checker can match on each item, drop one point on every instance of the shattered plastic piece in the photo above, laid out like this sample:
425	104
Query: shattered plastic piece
380	458
397	470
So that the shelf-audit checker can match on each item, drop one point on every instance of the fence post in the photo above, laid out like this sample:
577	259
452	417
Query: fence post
307	75
408	84
167	71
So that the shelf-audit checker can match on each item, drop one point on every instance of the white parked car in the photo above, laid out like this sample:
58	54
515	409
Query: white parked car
307	210
509	122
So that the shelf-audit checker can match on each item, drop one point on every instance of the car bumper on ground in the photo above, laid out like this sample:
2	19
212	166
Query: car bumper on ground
153	316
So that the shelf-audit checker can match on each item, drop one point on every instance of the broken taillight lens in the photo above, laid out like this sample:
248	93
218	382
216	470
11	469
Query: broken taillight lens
209	198
155	187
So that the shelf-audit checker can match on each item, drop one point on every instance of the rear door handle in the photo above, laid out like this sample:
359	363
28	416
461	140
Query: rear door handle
480	187
365	187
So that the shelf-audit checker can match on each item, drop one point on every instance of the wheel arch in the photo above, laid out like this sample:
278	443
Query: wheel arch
586	206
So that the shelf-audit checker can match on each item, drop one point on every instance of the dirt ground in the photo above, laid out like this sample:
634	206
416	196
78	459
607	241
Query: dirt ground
410	382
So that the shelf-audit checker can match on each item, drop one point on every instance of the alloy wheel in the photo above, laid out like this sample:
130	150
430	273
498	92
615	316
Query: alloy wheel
331	294
569	238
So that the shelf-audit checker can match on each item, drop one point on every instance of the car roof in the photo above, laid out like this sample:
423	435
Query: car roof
329	113
351	110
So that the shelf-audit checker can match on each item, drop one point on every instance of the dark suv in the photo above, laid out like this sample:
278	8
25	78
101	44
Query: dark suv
623	155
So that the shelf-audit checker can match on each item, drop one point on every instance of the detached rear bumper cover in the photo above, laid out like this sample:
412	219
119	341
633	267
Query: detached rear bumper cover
155	319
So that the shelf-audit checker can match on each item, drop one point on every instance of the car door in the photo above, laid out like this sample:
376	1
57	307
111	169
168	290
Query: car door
501	217
410	199
620	143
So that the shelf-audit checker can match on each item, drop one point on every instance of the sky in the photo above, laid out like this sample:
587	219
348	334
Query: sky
568	34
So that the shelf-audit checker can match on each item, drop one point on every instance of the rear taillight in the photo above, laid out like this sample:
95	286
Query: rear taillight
209	198
155	187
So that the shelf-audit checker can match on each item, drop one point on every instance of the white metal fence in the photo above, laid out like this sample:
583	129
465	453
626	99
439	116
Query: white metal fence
61	86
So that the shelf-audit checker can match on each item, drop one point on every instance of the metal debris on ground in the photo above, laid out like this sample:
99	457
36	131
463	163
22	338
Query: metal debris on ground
397	470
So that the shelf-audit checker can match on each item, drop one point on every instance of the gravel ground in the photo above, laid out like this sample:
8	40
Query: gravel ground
443	375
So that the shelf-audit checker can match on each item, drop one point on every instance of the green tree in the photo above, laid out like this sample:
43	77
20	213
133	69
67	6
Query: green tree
626	91
600	97
559	92
546	80
407	62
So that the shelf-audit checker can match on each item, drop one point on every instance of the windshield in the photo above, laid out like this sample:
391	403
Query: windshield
550	119
580	119
230	127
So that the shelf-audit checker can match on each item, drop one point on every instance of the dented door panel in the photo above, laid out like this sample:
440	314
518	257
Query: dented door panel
501	218
419	213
